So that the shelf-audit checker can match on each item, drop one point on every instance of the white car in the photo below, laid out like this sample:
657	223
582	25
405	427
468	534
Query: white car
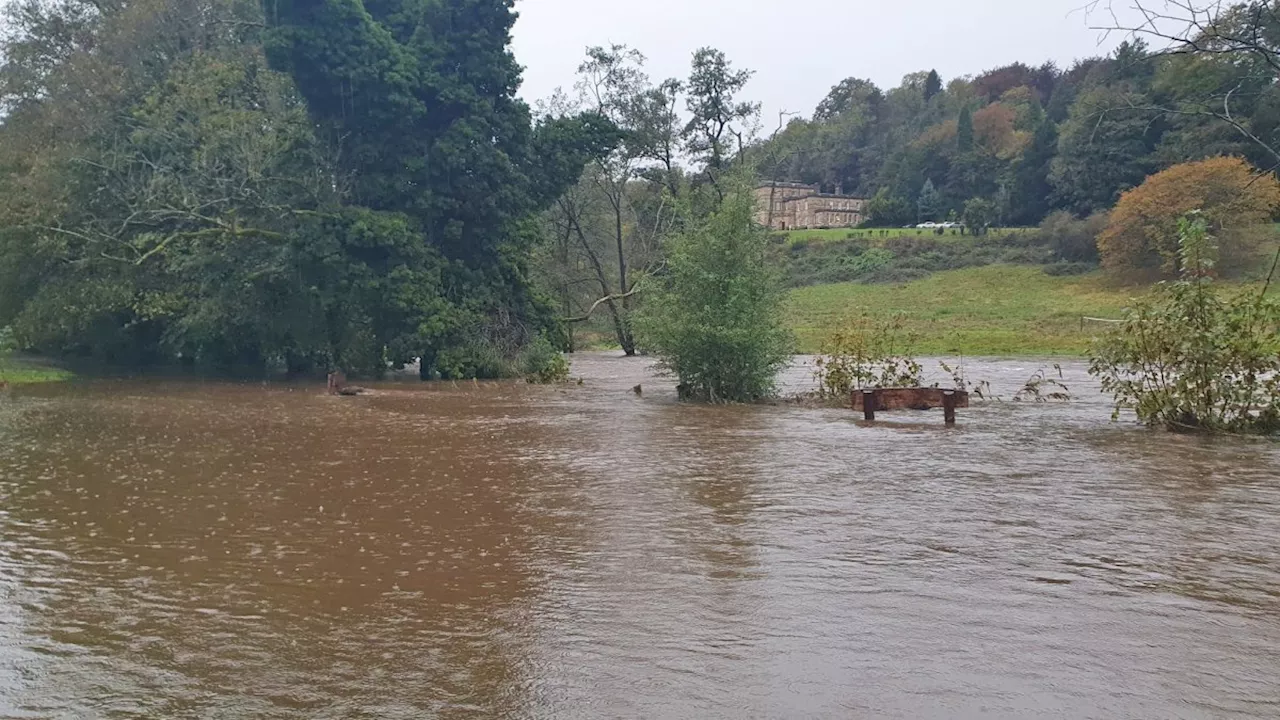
927	225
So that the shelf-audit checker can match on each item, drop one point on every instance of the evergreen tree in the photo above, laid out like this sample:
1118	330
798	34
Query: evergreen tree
419	101
930	202
1030	201
886	210
1103	150
932	85
964	130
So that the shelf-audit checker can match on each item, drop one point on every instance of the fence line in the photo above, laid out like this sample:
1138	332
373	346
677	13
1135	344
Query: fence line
1084	318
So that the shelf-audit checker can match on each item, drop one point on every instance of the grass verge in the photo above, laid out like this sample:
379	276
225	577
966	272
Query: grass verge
20	372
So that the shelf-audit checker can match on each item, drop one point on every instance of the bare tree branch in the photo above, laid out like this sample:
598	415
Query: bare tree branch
1230	31
598	303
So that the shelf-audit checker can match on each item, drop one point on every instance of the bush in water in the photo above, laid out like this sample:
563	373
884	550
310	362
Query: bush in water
1192	358
714	319
544	364
867	353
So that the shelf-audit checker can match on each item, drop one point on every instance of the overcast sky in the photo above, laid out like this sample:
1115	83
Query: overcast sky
800	48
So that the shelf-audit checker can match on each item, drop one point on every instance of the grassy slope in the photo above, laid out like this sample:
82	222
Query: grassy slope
992	310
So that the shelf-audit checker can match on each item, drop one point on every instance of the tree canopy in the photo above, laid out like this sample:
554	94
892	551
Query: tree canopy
351	186
1034	139
357	184
1227	194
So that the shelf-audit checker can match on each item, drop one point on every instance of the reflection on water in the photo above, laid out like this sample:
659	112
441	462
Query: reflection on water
185	549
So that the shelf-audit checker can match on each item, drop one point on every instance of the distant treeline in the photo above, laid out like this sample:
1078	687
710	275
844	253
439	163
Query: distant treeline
1030	140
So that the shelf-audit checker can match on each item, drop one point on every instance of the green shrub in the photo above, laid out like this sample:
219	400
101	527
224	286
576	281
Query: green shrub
1060	269
1025	256
898	257
715	319
1071	239
8	343
1192	358
543	364
867	353
476	359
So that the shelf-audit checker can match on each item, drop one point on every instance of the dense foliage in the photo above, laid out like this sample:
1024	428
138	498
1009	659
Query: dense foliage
867	352
354	183
870	258
1031	140
1230	195
165	194
1192	357
608	230
714	317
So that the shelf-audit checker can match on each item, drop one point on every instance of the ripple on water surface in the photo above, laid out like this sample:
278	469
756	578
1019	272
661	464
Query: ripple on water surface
178	549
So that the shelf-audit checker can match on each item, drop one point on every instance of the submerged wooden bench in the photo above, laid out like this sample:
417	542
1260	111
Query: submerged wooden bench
871	400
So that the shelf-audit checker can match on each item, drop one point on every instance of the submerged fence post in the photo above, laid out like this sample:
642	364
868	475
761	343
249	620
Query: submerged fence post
870	402
949	406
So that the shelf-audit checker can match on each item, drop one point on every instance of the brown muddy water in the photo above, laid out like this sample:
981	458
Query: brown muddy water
173	549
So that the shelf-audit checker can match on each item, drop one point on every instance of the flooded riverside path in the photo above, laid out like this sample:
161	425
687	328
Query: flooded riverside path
174	549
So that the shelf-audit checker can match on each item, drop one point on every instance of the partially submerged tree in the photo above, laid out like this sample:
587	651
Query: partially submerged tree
612	83
1192	358
714	318
607	230
421	102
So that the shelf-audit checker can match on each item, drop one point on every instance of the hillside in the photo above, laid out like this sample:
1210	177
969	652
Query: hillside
995	310
992	310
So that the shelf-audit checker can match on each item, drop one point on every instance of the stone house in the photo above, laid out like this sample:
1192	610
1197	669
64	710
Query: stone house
795	206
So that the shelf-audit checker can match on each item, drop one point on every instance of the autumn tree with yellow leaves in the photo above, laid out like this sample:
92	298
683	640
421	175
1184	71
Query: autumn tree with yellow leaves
1228	192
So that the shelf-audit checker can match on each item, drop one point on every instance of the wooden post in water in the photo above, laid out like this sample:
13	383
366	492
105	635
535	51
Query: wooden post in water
870	401
949	406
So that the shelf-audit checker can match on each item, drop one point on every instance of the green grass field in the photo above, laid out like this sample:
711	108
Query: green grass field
997	310
19	372
832	234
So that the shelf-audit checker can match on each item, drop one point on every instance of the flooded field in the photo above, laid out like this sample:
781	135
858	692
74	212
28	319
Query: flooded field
193	549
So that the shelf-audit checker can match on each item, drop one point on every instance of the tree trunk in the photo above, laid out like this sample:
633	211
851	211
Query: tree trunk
623	321
570	345
621	326
622	329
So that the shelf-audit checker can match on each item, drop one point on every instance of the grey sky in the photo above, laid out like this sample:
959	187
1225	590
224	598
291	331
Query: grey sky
800	48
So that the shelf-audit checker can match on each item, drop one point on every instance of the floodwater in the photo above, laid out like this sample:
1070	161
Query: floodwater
173	549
